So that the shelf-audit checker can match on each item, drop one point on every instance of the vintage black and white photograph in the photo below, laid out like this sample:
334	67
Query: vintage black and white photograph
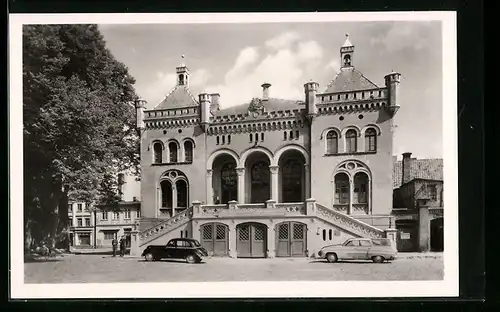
234	155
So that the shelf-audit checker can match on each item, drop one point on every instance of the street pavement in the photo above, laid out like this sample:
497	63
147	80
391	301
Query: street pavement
88	268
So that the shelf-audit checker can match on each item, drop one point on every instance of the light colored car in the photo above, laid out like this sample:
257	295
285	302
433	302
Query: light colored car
376	249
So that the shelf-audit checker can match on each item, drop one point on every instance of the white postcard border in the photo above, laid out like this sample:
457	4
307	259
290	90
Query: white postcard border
448	287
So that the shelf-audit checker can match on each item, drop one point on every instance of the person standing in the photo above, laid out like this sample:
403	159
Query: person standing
114	243
122	246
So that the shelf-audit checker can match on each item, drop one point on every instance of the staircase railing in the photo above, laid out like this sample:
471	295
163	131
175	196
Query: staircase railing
349	223
162	227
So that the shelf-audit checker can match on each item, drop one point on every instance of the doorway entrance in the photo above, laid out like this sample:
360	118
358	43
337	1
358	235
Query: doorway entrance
291	239
437	238
251	240
214	238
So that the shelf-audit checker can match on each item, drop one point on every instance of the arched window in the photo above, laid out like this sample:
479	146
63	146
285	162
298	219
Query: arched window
347	60
330	234
182	193
157	148
217	139
229	139
166	194
172	146
292	188
291	135
360	188
332	142
229	180
341	189
262	136
256	137
371	140
223	139
260	182
324	235
284	135
188	151
350	140
181	79
251	137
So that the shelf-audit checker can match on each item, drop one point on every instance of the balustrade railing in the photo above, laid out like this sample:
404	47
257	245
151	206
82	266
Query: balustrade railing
351	224
166	225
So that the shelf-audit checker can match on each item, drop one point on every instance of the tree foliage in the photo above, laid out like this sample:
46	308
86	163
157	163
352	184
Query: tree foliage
79	131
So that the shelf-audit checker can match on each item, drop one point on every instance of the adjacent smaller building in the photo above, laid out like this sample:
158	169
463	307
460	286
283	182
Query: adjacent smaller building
96	227
418	203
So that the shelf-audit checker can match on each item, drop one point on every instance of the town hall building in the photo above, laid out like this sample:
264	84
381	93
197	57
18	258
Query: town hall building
270	177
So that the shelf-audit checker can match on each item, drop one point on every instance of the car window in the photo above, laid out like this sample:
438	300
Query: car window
381	242
364	243
196	243
182	243
171	244
354	243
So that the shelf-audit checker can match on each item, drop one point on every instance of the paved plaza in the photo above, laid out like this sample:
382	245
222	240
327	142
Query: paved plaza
103	268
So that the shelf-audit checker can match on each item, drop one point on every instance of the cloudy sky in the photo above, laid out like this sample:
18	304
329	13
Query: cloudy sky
235	59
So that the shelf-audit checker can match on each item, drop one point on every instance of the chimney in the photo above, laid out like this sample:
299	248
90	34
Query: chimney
265	91
406	163
214	105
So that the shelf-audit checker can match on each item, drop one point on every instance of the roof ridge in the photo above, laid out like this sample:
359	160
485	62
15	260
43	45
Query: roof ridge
331	82
359	72
166	96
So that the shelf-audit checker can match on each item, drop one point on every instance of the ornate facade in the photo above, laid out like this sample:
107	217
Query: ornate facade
271	177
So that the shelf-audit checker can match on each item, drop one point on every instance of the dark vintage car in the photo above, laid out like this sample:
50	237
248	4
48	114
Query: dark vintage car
177	248
375	249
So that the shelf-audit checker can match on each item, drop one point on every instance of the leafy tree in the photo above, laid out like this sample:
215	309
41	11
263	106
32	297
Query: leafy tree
79	131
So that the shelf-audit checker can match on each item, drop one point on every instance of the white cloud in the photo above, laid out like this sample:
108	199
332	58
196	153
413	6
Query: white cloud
401	36
285	61
282	64
282	41
334	64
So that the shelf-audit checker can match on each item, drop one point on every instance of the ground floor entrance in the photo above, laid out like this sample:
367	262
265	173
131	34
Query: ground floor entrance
291	239
215	238
251	240
437	238
407	235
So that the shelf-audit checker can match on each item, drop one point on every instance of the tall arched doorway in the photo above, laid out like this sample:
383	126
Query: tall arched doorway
251	240
437	234
291	239
215	238
258	177
292	177
225	180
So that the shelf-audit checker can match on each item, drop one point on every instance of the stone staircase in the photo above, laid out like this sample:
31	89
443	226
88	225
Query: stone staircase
348	223
272	210
164	227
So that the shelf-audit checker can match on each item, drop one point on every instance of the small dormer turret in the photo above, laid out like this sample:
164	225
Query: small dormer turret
140	104
182	74
392	84
204	98
311	89
347	53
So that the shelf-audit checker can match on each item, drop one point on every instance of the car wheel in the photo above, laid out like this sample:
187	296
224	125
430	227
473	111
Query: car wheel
149	257
378	259
191	259
331	257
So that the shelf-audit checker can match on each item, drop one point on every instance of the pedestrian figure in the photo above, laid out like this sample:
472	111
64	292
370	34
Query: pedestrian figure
122	246
114	243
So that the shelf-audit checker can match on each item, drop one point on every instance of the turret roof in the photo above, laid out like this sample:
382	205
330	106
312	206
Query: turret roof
178	97
349	79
